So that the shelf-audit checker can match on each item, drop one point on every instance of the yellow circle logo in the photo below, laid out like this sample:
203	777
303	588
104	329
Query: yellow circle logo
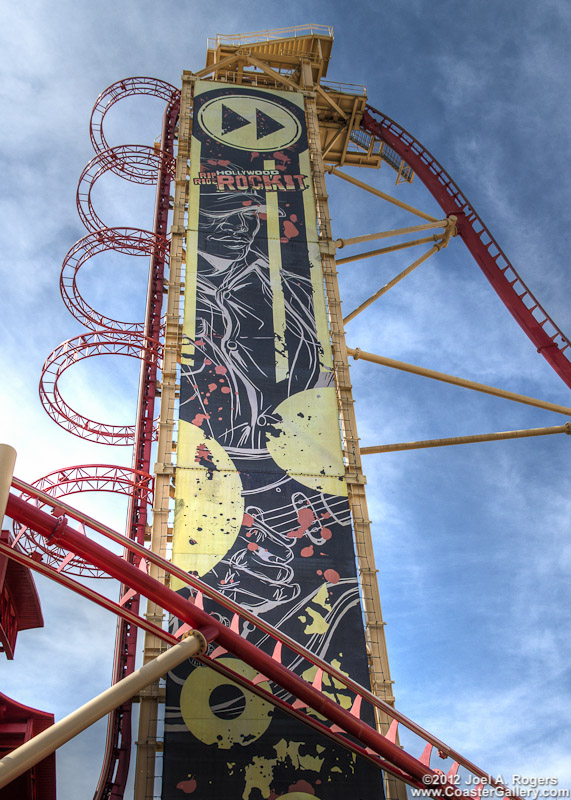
249	123
217	712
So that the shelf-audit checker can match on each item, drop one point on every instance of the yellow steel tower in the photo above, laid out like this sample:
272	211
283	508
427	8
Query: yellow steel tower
233	95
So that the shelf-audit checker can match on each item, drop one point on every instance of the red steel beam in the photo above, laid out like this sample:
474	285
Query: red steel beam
277	635
59	532
79	588
223	669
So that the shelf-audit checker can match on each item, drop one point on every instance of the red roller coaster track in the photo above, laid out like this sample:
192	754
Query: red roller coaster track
87	345
66	553
135	163
72	480
117	754
128	87
550	341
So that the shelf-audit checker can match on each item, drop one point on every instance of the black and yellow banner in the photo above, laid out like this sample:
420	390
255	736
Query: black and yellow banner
261	502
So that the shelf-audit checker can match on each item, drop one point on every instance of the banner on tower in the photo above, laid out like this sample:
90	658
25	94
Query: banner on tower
261	507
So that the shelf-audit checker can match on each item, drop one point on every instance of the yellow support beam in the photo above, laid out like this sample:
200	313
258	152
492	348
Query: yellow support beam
7	462
271	73
445	378
369	237
479	437
226	62
382	195
39	747
393	248
384	289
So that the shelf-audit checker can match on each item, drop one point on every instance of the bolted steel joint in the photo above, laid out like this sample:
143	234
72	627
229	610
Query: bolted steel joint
201	638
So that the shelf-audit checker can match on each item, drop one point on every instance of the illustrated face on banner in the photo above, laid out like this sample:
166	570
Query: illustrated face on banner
228	229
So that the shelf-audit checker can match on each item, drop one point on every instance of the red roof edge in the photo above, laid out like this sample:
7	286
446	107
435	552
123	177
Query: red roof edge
18	724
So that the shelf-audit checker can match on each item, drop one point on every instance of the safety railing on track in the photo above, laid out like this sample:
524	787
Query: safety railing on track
128	87
129	241
79	479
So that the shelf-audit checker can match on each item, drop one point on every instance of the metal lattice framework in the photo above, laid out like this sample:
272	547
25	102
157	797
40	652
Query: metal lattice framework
87	345
142	165
130	241
136	163
129	87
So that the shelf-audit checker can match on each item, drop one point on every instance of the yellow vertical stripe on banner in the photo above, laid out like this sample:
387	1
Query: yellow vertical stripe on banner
189	324
320	310
278	301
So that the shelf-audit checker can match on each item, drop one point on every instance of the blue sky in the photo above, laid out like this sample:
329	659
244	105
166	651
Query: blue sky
472	543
